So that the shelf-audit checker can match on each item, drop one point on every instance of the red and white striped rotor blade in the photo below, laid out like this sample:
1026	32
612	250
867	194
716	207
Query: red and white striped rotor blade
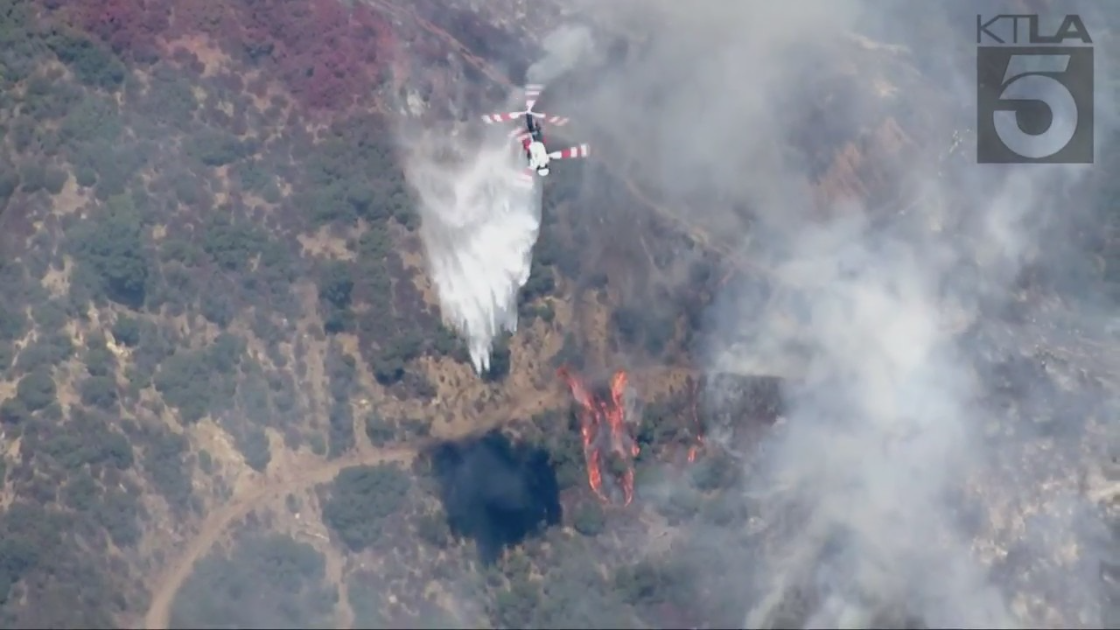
501	117
556	121
580	151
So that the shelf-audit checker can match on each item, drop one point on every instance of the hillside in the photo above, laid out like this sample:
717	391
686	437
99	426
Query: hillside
217	304
229	399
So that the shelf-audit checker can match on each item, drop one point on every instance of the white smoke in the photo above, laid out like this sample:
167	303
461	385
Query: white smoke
879	431
885	439
890	437
564	48
478	229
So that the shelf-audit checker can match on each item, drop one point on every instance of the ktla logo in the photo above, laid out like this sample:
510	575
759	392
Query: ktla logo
1034	103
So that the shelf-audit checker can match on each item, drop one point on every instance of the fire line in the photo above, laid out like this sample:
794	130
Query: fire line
603	430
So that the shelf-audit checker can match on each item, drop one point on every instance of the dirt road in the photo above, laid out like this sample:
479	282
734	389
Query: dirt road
294	479
298	476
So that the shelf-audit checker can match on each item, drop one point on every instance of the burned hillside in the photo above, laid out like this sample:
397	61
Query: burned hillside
495	492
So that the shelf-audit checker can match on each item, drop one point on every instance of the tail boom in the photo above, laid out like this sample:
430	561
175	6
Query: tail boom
532	94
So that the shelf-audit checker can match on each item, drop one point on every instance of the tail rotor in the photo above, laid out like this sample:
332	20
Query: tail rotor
532	94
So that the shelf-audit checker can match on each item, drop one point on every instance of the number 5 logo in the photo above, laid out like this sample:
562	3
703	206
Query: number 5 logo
1017	87
1029	78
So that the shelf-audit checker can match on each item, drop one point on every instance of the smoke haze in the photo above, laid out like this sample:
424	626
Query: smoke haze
911	484
564	49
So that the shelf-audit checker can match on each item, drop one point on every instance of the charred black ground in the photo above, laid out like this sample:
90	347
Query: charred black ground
496	492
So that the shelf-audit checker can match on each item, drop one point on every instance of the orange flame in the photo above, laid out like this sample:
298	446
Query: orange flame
597	415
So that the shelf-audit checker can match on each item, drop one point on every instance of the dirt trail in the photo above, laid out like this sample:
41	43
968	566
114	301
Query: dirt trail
297	476
308	471
295	479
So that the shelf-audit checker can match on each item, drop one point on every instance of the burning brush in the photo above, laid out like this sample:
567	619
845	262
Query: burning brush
604	432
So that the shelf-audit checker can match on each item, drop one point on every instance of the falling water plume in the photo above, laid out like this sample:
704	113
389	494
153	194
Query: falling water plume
478	229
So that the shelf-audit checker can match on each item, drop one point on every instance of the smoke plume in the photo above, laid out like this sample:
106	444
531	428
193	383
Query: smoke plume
564	49
840	127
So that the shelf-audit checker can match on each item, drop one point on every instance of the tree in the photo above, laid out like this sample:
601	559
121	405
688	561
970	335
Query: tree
199	381
433	529
336	285
517	606
653	581
360	498
232	246
216	148
54	179
99	391
112	248
13	412
335	294
37	389
130	28
340	428
126	330
388	368
92	63
217	307
379	431
32	177
499	360
99	360
589	519
9	181
85	176
254	446
13	322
